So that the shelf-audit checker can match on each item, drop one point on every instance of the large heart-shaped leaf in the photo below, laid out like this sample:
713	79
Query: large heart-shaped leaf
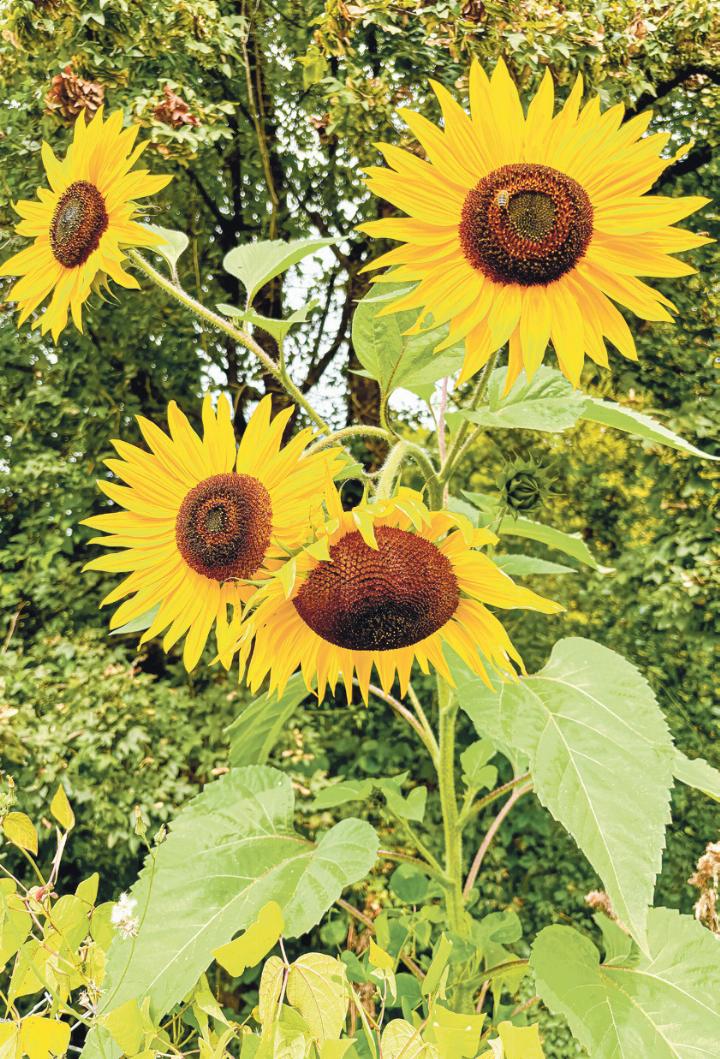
230	851
255	264
600	755
662	1006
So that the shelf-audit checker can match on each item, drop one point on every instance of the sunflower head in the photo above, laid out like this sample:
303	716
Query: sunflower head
383	586
205	519
527	227
81	224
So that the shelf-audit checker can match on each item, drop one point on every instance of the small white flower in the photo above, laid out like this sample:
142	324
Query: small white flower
122	917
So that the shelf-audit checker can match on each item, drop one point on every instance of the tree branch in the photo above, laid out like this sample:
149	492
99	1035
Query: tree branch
664	88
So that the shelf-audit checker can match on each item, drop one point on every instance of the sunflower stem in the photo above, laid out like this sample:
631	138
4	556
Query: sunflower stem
359	430
461	442
391	470
393	465
448	709
241	337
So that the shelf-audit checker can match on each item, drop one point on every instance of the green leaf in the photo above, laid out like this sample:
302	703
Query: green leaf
600	755
525	565
255	264
548	403
138	624
664	1006
697	773
477	774
410	808
229	852
175	245
15	921
274	326
437	971
317	988
571	544
400	1040
19	829
640	425
343	792
409	883
395	359
256	731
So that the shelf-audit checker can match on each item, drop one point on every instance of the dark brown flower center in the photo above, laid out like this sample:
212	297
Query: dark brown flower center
367	600
526	224
80	218
223	526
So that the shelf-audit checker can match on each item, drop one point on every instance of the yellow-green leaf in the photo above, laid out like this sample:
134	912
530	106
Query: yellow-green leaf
334	1049
250	948
270	989
521	1042
128	1025
19	829
40	1037
379	958
400	1040
61	809
15	921
317	988
9	1040
87	890
453	1035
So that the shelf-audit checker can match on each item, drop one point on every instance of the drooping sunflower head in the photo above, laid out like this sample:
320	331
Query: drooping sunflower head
204	517
82	222
525	228
392	584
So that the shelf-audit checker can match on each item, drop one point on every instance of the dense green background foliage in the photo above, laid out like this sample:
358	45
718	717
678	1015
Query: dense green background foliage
289	99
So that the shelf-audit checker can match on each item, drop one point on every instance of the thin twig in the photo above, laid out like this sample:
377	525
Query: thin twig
366	921
492	831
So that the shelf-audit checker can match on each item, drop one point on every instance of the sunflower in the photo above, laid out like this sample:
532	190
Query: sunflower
395	584
204	516
526	228
81	225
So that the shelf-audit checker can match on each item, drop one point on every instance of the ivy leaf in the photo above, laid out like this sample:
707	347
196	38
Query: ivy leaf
571	544
600	755
640	425
664	1005
229	852
697	773
255	264
547	402
256	731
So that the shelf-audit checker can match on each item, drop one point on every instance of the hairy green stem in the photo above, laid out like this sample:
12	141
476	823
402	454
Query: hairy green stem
461	442
241	337
426	736
475	807
361	430
448	800
391	470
